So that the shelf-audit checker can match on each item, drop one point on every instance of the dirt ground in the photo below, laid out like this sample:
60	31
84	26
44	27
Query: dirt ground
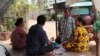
49	27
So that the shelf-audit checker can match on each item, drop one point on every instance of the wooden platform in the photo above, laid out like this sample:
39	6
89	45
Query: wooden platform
57	52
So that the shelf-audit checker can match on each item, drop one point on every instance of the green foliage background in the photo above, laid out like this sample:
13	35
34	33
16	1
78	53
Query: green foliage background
18	9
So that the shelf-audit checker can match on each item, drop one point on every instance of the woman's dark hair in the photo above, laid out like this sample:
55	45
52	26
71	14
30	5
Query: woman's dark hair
41	19
19	21
80	19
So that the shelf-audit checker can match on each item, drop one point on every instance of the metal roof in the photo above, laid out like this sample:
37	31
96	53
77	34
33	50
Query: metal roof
81	4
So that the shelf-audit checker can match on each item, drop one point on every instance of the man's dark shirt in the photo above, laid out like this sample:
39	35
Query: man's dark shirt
37	38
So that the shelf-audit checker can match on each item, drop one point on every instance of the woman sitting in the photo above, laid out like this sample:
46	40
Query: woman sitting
80	40
18	36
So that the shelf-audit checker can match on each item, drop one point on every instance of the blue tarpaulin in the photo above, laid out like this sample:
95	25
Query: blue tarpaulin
80	11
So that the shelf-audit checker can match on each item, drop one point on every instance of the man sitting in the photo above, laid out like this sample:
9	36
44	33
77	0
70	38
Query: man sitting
37	41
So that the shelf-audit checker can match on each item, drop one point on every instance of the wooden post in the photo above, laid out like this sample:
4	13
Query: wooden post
98	44
56	16
97	33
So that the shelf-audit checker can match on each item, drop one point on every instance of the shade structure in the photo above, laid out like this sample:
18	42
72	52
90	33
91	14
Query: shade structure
81	4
